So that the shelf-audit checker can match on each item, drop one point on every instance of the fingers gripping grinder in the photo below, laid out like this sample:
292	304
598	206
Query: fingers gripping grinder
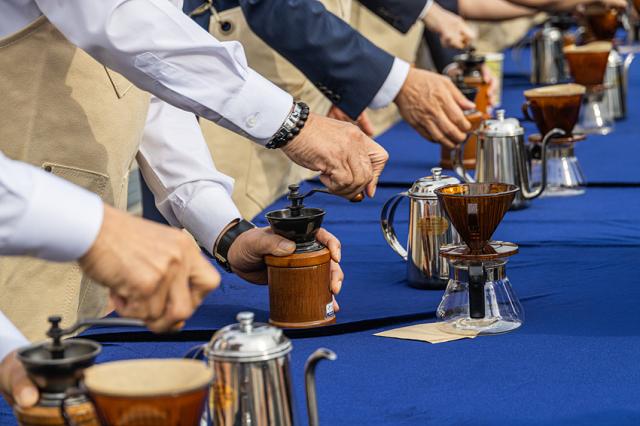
299	284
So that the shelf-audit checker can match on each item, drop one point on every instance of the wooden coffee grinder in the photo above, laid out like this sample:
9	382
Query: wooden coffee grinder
472	84
299	284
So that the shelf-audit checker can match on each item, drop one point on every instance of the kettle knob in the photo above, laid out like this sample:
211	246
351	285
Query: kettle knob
246	320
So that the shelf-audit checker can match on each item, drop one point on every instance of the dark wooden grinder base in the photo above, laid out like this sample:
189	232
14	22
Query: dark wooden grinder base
83	414
299	290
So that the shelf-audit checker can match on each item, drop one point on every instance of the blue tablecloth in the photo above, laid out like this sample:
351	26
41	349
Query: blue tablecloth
572	362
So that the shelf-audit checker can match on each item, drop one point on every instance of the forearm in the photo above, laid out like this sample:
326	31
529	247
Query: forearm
493	10
44	216
177	165
551	5
10	338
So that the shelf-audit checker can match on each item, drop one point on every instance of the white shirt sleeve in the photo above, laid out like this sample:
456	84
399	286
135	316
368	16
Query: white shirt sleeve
10	338
45	216
176	164
392	85
161	50
425	10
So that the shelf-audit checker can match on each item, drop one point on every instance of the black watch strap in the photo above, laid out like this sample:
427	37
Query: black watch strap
221	251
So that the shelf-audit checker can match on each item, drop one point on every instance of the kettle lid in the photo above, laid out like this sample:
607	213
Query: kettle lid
248	341
501	126
425	187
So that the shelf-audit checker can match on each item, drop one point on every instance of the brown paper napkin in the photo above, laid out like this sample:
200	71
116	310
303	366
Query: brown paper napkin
432	332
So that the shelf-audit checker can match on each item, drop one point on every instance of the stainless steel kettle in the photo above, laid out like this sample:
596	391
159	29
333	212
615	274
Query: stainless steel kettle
547	60
429	228
252	379
616	81
502	156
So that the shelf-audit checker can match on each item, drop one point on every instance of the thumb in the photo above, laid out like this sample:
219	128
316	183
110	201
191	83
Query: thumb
24	391
273	244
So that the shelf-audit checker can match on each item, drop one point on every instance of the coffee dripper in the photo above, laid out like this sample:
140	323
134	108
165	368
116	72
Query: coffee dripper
252	376
299	284
502	156
479	297
548	65
588	64
429	229
556	107
56	367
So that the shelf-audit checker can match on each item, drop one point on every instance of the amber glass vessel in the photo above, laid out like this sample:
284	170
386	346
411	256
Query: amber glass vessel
588	63
153	392
554	107
476	210
602	21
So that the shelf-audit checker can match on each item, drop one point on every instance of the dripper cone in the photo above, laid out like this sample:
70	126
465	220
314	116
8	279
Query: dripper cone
588	63
476	210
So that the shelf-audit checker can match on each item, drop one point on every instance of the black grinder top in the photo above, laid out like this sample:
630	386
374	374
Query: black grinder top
298	223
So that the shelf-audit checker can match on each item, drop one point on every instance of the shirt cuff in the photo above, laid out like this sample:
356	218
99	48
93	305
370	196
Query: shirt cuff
424	12
61	222
392	85
263	107
10	338
209	210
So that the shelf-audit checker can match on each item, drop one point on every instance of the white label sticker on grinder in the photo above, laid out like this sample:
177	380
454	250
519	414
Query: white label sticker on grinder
329	311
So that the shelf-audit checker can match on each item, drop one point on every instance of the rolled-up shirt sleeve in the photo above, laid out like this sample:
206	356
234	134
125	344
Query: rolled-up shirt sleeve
176	164
158	48
44	216
10	338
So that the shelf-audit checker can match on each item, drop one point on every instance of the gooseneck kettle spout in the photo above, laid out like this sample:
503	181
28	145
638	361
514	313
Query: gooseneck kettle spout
310	381
525	191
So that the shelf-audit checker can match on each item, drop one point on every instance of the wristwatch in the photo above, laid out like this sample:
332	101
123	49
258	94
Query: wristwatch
291	127
226	239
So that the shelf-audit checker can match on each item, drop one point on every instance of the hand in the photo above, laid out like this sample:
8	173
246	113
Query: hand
246	255
362	121
349	162
15	385
433	106
454	32
153	272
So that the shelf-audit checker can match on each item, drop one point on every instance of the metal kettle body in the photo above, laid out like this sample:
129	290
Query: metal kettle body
253	387
616	83
502	156
429	229
547	60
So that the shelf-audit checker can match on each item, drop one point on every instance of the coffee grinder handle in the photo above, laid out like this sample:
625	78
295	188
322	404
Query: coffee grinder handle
386	222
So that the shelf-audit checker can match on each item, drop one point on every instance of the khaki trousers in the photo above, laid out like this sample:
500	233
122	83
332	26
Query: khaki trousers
63	111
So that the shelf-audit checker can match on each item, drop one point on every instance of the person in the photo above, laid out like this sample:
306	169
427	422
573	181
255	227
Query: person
83	122
308	49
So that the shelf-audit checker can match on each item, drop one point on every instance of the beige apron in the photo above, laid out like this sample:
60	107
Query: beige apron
262	175
63	111
383	35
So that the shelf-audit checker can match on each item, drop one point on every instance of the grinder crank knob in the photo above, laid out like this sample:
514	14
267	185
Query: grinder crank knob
357	198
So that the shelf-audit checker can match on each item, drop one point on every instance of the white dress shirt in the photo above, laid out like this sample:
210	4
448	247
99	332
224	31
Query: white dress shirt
34	222
176	164
160	50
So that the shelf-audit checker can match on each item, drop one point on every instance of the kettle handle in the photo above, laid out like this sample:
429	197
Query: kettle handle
386	222
457	158
310	381
525	110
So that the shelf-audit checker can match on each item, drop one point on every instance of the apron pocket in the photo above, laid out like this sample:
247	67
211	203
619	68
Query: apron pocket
120	84
92	181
